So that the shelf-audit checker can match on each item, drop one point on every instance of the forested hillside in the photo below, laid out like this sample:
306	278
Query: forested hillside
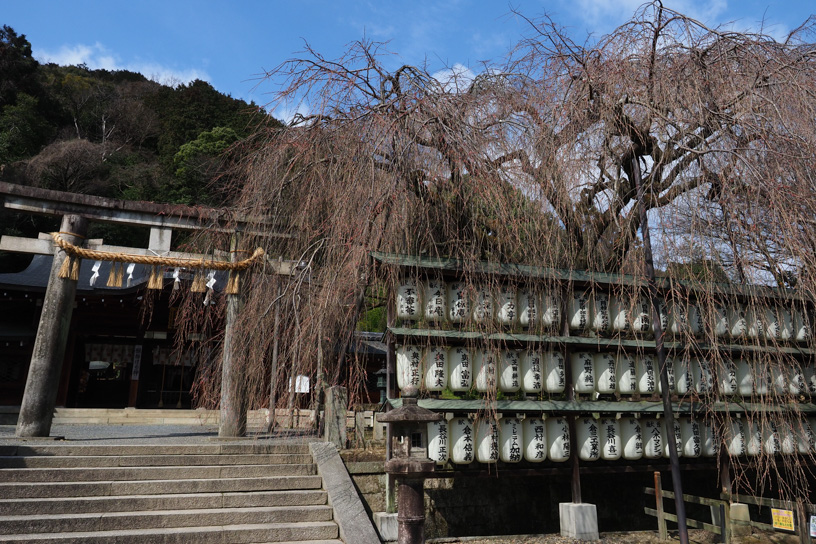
113	133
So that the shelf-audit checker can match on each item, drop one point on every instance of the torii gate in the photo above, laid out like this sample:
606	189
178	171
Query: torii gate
39	398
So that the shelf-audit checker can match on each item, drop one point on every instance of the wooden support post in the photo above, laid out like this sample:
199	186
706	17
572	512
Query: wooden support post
273	371
39	398
803	527
663	534
725	521
233	391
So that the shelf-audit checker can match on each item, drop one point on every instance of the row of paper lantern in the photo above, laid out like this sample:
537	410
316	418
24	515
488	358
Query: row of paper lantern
462	440
460	369
436	301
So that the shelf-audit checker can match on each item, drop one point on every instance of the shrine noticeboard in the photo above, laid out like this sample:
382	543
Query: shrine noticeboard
782	519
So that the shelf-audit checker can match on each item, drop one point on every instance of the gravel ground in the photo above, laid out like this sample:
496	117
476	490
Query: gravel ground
635	537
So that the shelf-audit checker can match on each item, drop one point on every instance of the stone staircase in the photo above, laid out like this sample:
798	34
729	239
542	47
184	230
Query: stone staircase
203	493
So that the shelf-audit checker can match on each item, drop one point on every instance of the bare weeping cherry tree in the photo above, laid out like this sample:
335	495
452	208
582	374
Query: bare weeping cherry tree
534	161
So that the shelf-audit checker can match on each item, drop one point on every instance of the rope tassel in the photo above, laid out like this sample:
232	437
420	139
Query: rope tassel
233	285
115	275
156	281
198	285
65	269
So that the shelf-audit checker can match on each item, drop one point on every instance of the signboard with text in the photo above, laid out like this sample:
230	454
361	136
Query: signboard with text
782	519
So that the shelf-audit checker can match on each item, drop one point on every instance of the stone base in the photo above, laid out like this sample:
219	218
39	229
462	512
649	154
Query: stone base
740	512
386	525
578	521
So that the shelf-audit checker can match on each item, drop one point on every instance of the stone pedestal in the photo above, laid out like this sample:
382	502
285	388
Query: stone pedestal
335	416
578	520
740	512
387	526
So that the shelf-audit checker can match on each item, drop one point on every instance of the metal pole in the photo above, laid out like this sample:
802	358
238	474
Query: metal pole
668	414
40	396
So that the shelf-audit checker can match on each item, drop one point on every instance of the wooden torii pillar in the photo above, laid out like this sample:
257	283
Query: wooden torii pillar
36	411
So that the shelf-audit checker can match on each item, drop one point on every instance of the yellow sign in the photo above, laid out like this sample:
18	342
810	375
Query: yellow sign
782	519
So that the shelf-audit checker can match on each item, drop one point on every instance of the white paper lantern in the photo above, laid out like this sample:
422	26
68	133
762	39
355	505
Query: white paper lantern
458	303
605	378
778	439
692	437
588	440
619	309
409	366
409	301
582	372
555	380
737	323
486	369
805	435
611	446
719	323
558	439
648	378
510	378
436	368
727	382
802	330
550	312
460	364
511	439
735	438
754	319
626	374
669	375
684	319
654	438
778	377
438	445
599	319
435	294
762	377
641	317
483	306
632	438
745	378
678	439
534	432
810	378
753	438
703	377
507	302
528	308
578	312
797	384
711	438
463	442
487	441
683	376
530	362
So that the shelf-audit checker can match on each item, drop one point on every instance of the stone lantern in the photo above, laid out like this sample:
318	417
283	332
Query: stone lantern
409	463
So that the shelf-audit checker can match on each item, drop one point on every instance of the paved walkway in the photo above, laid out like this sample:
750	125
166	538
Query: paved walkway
147	434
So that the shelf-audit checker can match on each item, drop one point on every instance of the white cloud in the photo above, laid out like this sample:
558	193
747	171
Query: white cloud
602	16
97	56
455	79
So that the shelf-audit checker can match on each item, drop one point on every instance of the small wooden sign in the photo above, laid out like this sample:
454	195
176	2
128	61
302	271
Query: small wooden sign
782	519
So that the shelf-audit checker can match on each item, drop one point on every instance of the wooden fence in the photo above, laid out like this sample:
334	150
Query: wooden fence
800	511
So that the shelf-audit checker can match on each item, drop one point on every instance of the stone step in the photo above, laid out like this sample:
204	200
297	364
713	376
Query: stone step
227	534
81	474
53	461
136	503
229	448
92	522
155	487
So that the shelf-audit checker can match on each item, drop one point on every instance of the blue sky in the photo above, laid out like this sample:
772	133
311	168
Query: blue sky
230	44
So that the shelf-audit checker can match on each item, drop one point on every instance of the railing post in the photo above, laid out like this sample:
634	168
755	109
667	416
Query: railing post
803	528
662	533
725	521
